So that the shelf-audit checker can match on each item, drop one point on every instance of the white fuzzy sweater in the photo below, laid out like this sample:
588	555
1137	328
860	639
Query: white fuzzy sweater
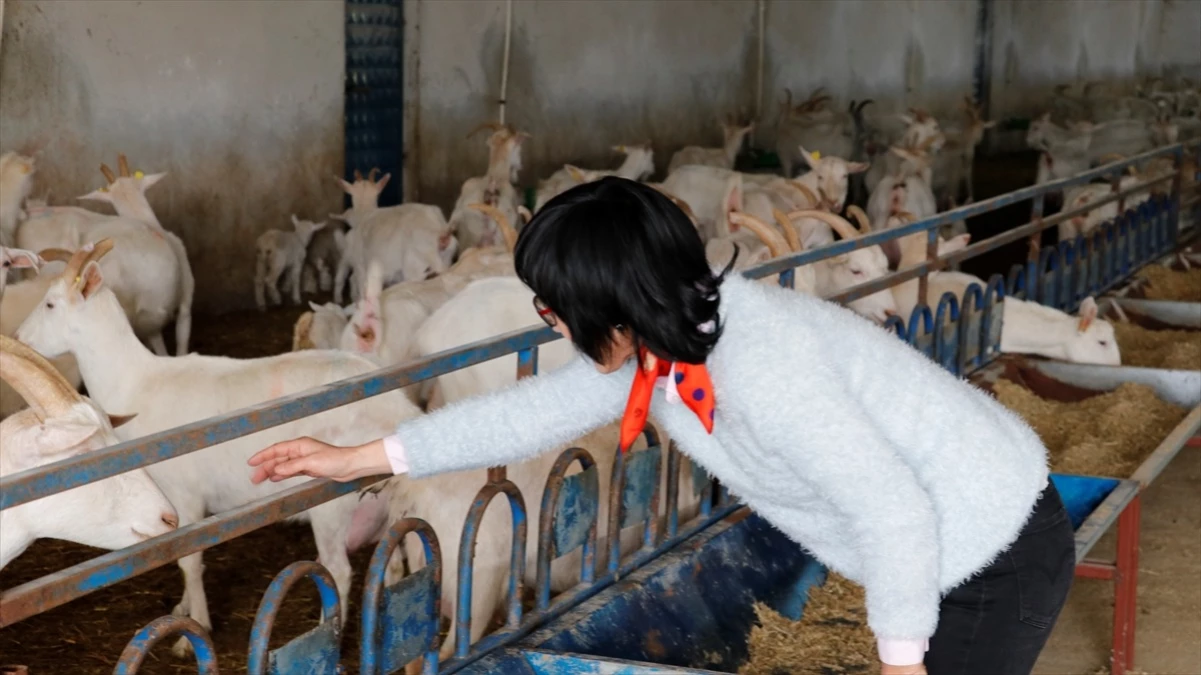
890	470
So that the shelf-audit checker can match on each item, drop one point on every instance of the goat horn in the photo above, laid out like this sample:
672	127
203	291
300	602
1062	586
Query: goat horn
813	200
372	174
774	241
865	223
502	223
81	258
525	214
358	175
29	374
108	173
680	203
790	235
123	165
905	216
56	255
840	224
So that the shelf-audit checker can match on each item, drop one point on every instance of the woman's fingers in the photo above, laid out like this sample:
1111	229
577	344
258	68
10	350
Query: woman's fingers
283	460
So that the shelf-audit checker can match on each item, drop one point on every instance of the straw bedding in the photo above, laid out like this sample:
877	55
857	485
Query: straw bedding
1106	435
1167	284
832	638
1171	349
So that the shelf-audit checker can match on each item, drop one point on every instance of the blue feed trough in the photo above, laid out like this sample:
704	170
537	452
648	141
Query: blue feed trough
690	611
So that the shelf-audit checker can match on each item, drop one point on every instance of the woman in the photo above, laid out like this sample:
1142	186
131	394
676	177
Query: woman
887	468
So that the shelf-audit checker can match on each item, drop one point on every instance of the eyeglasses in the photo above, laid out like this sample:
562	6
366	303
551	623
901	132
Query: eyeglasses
545	312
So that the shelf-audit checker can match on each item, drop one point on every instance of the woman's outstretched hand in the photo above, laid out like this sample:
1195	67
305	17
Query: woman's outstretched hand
311	457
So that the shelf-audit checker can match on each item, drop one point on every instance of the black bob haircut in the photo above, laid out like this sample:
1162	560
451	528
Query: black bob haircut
615	252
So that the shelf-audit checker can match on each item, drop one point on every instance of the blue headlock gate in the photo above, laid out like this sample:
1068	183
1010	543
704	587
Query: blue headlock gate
681	601
375	91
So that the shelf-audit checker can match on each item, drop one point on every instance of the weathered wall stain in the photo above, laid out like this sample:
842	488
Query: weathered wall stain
240	103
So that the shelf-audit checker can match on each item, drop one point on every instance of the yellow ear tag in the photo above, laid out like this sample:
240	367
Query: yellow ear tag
815	154
138	174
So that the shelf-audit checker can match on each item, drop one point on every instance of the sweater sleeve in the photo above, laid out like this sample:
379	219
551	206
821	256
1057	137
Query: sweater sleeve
527	418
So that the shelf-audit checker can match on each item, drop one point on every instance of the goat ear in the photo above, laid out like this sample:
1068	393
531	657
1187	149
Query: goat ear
149	180
295	221
57	434
90	279
906	118
300	332
382	182
858	167
313	306
116	421
1088	312
809	161
367	326
21	259
345	186
99	194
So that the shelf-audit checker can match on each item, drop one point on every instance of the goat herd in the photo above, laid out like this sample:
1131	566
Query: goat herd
101	288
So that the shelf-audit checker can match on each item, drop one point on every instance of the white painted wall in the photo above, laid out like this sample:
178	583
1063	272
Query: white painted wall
241	102
1037	45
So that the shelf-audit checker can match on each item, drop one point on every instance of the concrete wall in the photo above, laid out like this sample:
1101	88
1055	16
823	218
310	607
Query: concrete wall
586	75
1037	45
241	102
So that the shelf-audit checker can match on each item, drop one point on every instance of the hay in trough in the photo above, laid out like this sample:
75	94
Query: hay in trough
1172	349
1107	435
831	638
1166	284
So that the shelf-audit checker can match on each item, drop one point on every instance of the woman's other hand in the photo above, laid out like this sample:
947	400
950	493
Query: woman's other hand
915	669
311	457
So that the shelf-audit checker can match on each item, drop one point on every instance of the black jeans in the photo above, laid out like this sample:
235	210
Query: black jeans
997	622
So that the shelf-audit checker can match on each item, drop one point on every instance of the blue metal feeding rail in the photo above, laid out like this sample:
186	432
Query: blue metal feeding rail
1059	276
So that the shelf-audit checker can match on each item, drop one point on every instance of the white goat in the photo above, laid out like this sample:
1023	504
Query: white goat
952	167
112	513
733	133
19	300
639	163
409	241
1083	195
277	252
80	316
16	259
16	182
814	125
837	274
494	188
321	260
321	327
1031	328
150	274
922	132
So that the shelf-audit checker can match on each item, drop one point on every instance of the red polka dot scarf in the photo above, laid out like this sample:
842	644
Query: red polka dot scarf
692	381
